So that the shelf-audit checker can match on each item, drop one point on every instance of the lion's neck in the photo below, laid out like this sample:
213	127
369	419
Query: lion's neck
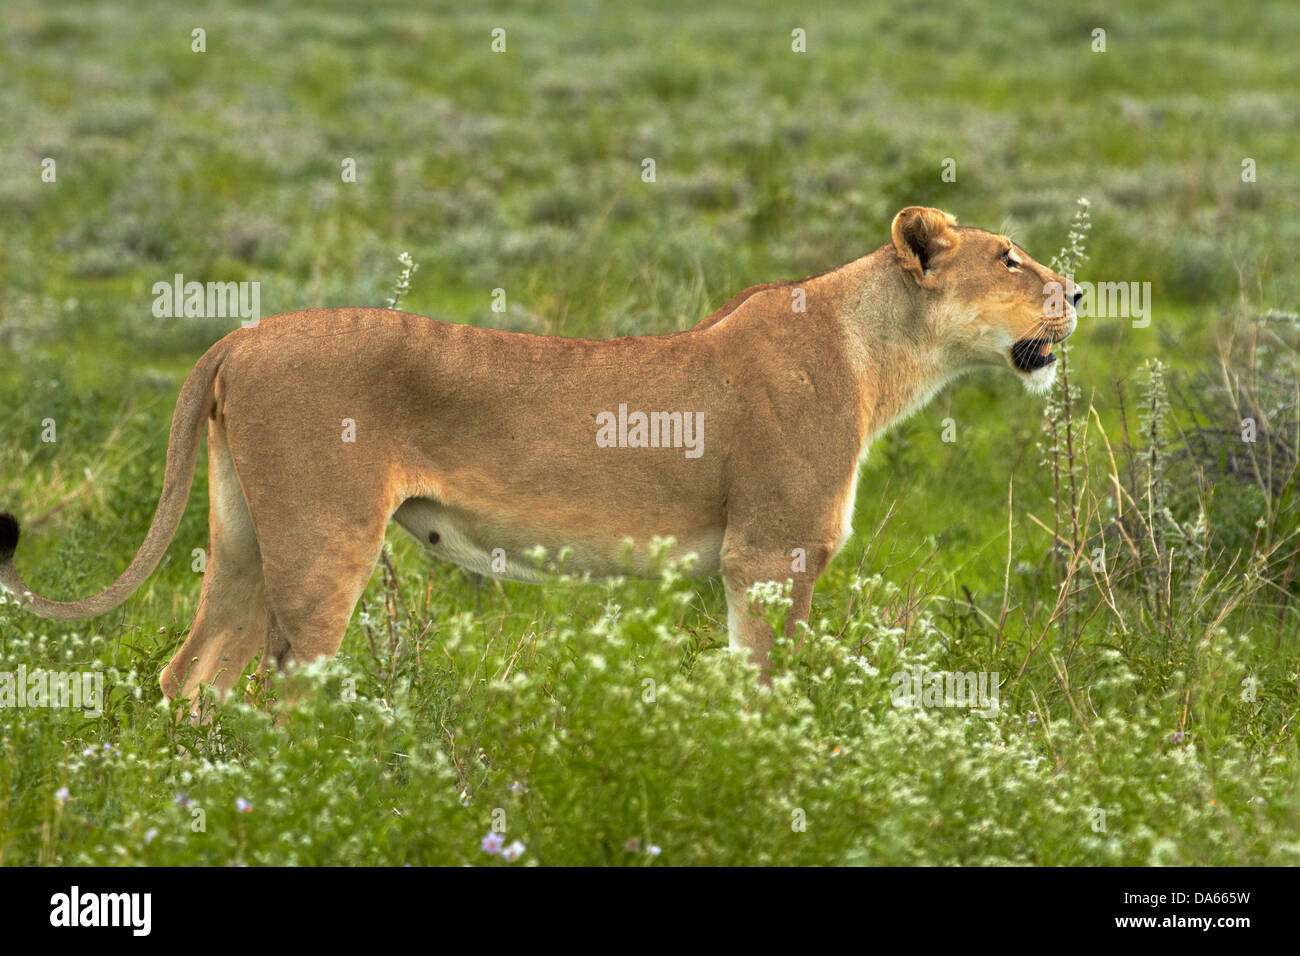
898	364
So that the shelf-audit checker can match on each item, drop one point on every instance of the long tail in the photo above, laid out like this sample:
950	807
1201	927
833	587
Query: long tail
192	408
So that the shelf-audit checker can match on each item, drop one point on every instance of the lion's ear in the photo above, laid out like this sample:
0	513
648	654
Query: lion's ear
920	233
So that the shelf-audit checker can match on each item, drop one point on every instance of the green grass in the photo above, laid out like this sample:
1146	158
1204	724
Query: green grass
522	171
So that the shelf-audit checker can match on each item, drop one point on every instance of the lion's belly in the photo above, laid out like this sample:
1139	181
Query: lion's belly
479	543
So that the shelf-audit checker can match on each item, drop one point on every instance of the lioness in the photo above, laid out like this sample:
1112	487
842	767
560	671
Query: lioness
324	425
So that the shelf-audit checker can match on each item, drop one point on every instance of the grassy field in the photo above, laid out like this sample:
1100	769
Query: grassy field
1147	708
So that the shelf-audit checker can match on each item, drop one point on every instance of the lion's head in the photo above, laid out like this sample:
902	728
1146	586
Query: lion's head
987	301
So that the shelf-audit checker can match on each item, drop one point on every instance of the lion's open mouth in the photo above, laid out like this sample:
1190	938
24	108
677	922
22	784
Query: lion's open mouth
1029	355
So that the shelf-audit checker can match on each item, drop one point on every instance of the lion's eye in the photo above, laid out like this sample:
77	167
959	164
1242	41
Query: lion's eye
1007	260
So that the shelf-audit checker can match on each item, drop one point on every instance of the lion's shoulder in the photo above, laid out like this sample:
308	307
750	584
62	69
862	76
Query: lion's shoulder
740	298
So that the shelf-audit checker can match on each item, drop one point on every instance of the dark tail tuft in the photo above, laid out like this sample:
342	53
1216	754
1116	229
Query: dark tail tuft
8	537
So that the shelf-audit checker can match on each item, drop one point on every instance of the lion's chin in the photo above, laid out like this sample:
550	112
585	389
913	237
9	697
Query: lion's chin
1039	381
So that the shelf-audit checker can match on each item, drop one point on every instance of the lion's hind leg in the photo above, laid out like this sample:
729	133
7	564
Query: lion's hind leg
230	624
316	563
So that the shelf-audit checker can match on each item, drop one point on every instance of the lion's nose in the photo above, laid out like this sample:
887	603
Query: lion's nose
1076	296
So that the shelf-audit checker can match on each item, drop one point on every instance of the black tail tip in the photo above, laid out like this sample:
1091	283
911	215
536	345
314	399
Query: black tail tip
8	537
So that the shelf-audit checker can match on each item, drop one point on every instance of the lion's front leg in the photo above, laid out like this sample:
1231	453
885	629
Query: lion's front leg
744	564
